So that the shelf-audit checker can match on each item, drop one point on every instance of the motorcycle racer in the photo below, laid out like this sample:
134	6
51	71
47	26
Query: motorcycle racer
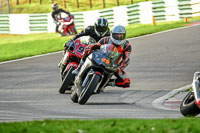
117	38
56	14
98	31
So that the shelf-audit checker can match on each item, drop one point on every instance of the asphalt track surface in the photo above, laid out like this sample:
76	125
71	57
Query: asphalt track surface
159	63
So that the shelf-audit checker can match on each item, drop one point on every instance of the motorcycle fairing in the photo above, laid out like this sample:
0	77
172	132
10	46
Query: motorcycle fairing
107	56
76	48
73	64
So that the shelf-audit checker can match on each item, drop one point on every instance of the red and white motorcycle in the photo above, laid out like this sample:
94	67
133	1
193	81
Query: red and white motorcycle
72	58
95	73
190	105
66	25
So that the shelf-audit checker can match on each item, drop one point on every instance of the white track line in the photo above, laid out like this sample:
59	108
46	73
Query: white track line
164	31
29	57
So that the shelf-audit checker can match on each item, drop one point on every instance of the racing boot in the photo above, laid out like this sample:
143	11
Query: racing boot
60	63
62	66
119	83
76	71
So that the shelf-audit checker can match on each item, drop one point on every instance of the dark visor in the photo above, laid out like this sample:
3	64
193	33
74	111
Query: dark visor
102	29
119	36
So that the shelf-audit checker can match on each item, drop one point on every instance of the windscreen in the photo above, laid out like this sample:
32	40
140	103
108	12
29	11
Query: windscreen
87	40
107	56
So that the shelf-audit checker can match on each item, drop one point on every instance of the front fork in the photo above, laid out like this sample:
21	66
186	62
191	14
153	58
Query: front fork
90	73
196	88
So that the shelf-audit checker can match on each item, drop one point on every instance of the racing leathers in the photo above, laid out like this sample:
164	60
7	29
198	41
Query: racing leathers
121	79
89	31
56	16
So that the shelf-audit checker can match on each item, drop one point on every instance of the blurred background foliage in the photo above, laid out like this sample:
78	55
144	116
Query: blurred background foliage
44	6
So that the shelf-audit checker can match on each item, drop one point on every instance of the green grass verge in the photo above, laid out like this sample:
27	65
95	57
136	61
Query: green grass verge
14	47
19	46
185	125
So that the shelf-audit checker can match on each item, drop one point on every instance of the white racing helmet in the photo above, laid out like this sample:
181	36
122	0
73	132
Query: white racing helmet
118	34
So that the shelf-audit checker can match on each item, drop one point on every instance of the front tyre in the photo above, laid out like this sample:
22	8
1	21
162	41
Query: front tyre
89	89
188	106
68	77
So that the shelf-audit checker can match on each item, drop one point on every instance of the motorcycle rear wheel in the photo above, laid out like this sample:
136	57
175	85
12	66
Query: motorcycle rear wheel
88	89
68	77
188	106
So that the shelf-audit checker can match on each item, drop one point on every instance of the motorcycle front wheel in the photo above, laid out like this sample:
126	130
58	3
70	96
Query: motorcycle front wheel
188	106
88	89
68	77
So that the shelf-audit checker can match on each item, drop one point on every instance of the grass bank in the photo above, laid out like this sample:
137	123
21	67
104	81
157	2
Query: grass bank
19	46
185	125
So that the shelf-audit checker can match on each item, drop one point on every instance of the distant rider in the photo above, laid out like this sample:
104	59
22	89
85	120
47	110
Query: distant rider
117	38
98	31
56	14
